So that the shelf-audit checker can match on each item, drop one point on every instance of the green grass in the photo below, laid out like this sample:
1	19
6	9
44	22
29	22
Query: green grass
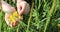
43	17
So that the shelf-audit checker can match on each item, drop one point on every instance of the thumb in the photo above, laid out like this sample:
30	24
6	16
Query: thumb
6	18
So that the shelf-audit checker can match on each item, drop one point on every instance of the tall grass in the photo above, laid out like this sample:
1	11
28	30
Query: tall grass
44	16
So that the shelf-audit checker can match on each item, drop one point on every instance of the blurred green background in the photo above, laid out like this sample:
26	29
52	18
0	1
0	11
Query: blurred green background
44	16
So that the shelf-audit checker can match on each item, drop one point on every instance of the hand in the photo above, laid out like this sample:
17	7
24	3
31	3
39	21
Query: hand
12	24
22	7
7	8
11	19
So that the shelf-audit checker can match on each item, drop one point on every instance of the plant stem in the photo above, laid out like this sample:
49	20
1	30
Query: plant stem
30	17
49	14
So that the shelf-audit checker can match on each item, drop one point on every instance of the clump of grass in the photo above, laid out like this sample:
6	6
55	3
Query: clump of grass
43	17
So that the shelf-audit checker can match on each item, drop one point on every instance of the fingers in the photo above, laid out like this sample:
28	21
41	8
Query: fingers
11	21
12	24
23	7
27	8
6	18
13	9
20	7
7	8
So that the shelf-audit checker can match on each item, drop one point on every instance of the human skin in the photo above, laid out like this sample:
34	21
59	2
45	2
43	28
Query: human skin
8	9
22	7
